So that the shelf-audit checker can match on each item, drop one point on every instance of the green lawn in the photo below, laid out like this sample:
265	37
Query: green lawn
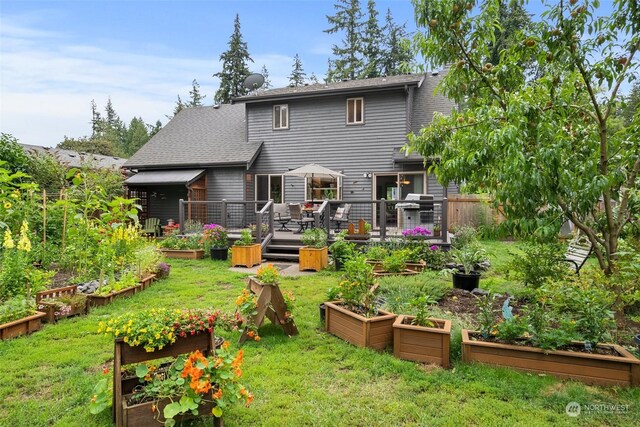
311	379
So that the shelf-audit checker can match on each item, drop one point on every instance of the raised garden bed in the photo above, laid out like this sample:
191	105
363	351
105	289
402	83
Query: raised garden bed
406	272
413	266
147	281
620	369
102	300
183	253
374	332
142	414
23	326
421	343
46	302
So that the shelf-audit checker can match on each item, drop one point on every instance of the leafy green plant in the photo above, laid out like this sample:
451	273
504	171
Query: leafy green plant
511	329
538	264
315	238
464	236
268	274
548	330
486	314
246	239
423	306
470	255
192	242
396	261
376	252
15	308
357	290
342	249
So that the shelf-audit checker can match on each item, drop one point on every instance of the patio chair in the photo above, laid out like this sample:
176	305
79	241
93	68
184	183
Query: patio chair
341	216
281	214
151	227
299	218
577	253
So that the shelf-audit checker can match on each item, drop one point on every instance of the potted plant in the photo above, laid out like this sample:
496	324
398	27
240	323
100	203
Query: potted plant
315	254
356	317
437	229
469	256
422	338
245	252
341	250
216	238
544	338
184	247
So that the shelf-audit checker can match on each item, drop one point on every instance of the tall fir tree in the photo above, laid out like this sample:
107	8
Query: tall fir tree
298	75
267	82
348	58
135	137
512	19
234	67
397	52
179	107
195	95
153	129
313	79
96	120
372	44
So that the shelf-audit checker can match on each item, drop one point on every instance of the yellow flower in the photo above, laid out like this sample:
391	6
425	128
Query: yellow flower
7	205
8	241
24	244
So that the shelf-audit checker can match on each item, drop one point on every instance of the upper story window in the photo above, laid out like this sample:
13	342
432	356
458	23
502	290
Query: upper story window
355	111
281	116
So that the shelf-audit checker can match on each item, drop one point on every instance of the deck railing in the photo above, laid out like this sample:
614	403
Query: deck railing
388	218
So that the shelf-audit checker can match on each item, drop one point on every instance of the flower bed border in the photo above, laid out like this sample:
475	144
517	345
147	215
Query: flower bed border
595	369
47	298
421	343
102	300
23	326
183	253
375	332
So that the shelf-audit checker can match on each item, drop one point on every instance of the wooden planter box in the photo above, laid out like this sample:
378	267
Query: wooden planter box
45	301
375	332
125	354
102	300
420	343
183	253
141	415
313	258
23	326
413	266
383	273
146	282
596	369
246	256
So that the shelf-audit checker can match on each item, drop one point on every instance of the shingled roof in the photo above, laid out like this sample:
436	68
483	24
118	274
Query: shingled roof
321	89
199	137
76	159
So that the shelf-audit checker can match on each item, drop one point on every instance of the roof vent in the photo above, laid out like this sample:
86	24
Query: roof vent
345	80
292	85
306	84
435	73
216	106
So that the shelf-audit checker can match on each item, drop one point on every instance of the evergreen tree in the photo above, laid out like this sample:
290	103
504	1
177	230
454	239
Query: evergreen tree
632	102
513	18
136	136
96	145
297	74
114	130
267	83
313	79
97	124
397	49
373	51
348	61
194	93
153	129
179	107
234	67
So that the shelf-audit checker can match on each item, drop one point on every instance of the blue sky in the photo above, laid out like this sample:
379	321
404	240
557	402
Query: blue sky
56	56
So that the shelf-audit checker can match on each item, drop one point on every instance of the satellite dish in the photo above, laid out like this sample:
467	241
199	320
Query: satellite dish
254	81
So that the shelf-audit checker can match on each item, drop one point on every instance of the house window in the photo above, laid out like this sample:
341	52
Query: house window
355	111
269	187
281	116
323	189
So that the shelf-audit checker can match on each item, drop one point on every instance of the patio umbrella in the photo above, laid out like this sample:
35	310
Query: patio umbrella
313	170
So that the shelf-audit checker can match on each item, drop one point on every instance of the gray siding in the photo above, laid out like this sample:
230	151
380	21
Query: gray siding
163	201
225	183
318	134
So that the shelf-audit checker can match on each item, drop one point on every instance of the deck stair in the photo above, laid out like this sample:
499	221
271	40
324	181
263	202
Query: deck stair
282	249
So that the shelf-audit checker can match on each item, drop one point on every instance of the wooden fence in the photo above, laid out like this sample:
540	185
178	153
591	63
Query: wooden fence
473	210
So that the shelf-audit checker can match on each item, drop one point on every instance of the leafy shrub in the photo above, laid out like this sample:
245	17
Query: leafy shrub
398	292
315	238
342	249
246	239
16	308
539	264
464	236
376	253
182	242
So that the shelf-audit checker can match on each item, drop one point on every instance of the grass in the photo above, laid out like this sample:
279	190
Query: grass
311	379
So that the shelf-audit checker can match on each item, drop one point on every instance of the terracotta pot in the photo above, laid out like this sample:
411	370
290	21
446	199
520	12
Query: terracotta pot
375	332
621	370
421	343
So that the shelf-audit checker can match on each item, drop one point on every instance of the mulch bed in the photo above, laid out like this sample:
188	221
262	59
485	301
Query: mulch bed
463	303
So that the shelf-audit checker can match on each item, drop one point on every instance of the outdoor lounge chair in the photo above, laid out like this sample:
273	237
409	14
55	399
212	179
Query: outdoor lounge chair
151	227
281	214
341	216
299	218
577	254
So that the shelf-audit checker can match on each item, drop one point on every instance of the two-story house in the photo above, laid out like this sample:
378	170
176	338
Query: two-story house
240	151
